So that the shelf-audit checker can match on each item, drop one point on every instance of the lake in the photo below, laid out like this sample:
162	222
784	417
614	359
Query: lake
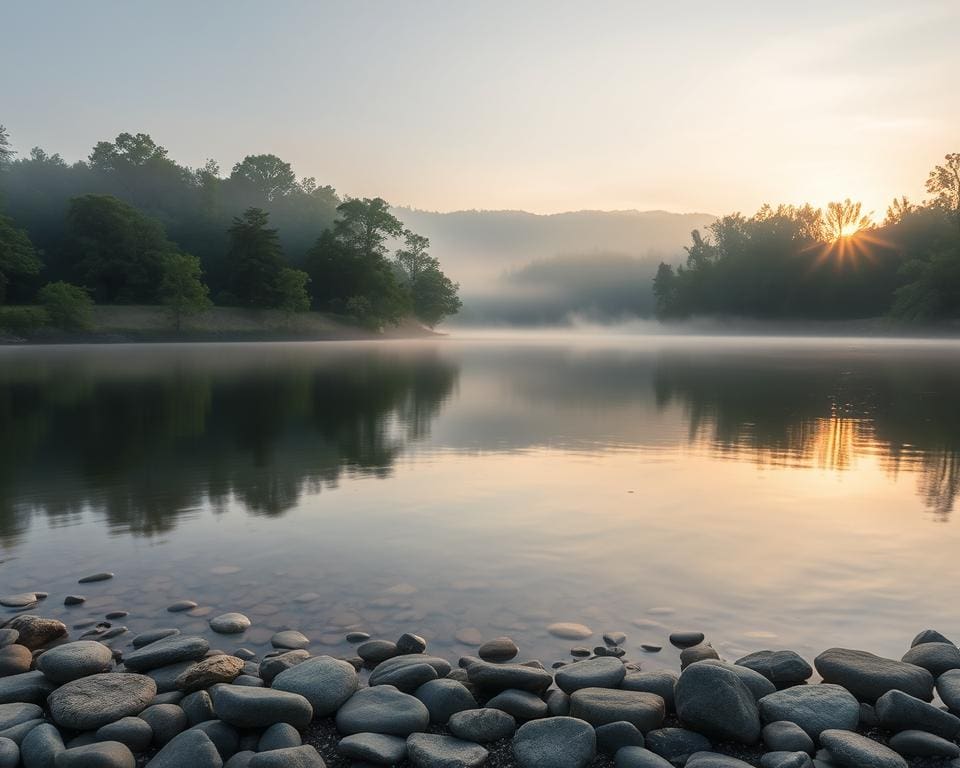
772	492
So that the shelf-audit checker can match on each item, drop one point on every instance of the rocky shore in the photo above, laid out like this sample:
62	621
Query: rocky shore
99	695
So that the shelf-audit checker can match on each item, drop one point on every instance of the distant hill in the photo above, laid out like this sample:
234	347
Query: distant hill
515	266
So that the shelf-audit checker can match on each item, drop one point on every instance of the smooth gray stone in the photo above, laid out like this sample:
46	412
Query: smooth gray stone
898	711
759	685
36	631
599	706
9	753
922	744
661	682
323	681
40	747
948	686
279	736
779	667
229	623
499	649
814	708
614	736
377	651
406	678
153	635
8	636
868	716
293	757
15	713
936	658
198	707
74	660
427	750
260	707
928	636
191	748
555	742
714	760
163	653
82	739
240	760
558	703
638	757
91	702
373	748
696	653
181	605
493	678
272	666
482	725
249	681
602	672
868	677
224	737
17	733
443	698
686	639
382	709
715	702
104	754
786	736
165	720
219	668
409	643
522	705
25	688
93	577
290	639
673	743
786	760
132	731
852	750
440	666
166	677
15	659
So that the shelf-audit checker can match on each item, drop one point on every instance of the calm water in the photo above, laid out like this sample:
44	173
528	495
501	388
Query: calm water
774	493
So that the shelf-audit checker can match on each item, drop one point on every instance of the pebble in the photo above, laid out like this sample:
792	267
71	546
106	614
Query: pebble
686	639
74	600
786	736
36	632
272	666
696	653
922	744
382	709
8	637
132	731
482	725
674	743
357	637
599	706
9	753
165	720
493	678
15	660
145	638
290	639
570	631
102	576
780	667
638	757
209	671
15	713
715	702
614	638
182	605
325	682
948	686
661	682
936	658
444	698
852	749
191	748
469	636
406	677
602	672
225	738
410	643
198	707
499	649
815	708
279	736
292	757
612	737
26	687
868	677
783	759
75	660
651	648
759	685
375	651
376	748
170	650
41	746
245	707
427	750
899	711
91	702
522	705
580	652
555	742
229	623
928	636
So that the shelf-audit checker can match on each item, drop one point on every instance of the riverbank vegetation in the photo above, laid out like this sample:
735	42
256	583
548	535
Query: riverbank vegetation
835	263
130	226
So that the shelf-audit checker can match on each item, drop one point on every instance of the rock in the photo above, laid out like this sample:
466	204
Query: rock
786	760
523	705
558	703
25	688
406	677
674	743
855	751
209	671
493	678
279	736
22	600
696	653
898	711
614	638
135	733
153	636
323	681
170	650
599	706
14	713
779	667
715	702
290	639
786	736
230	623
40	747
91	702
570	631
686	639
9	753
8	637
225	737
259	707
74	660
482	725
868	716
444	698
15	659
555	742
357	637
928	636
248	681
293	757
182	605
382	709
868	677
17	733
936	658
714	760
376	651
948	686
93	577
272	666
922	744
74	600
198	707
409	643
441	666
103	754
638	757
604	672
36	632
815	708
166	677
499	649
240	760
191	748
661	682
165	720
431	751
614	736
759	685
375	748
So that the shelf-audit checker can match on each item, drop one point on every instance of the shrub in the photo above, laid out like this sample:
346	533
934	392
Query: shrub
69	307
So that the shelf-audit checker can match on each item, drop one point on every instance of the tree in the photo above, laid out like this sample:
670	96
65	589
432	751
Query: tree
17	255
366	224
292	296
664	290
255	259
69	307
433	295
944	184
843	219
127	150
6	153
933	288
898	209
270	176
182	288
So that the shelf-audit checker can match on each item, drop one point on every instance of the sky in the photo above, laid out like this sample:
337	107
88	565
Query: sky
545	106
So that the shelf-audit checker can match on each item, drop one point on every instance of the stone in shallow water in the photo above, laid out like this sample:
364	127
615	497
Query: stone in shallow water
245	707
182	605
868	677
170	650
382	709
357	637
152	636
93	577
74	600
376	748
555	742
482	725
410	643
715	702
614	638
469	636
191	748
605	672
290	639
426	750
899	711
686	639
36	631
23	600
852	749
104	754
91	702
498	649
815	708
599	706
695	653
229	623
570	630
75	660
323	681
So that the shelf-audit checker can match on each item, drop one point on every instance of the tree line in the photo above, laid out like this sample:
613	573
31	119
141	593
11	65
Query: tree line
131	226
835	263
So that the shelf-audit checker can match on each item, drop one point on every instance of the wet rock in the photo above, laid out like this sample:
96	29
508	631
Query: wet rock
779	667
593	673
17	733
15	660
290	639
230	623
166	677
431	751
786	760
715	702
444	698
661	682
936	658
948	686
714	760
135	733
323	681
198	707
170	650
868	677
523	705
74	660
759	685
922	744
856	751
9	753
293	757
786	736
8	637
406	677
570	631
74	600
104	754
27	687
181	605
225	738
191	748
482	725
614	638
599	706
153	636
555	742
14	713
410	643
357	637
696	653
36	632
376	748
165	720
673	743
91	702
928	636
259	707
815	708
94	577
272	666
899	711
493	678
686	639
40	747
499	649
376	651
558	703
614	736
638	757
279	736
209	671
382	709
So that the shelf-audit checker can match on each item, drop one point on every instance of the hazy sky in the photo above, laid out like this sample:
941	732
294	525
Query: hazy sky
545	106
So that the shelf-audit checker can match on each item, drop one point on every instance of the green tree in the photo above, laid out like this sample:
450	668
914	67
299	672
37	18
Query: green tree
433	294
127	150
933	288
182	288
17	256
366	225
944	184
255	259
69	307
6	152
664	290
268	175
292	296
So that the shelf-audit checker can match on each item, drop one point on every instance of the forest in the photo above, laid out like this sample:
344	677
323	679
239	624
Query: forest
131	226
801	262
